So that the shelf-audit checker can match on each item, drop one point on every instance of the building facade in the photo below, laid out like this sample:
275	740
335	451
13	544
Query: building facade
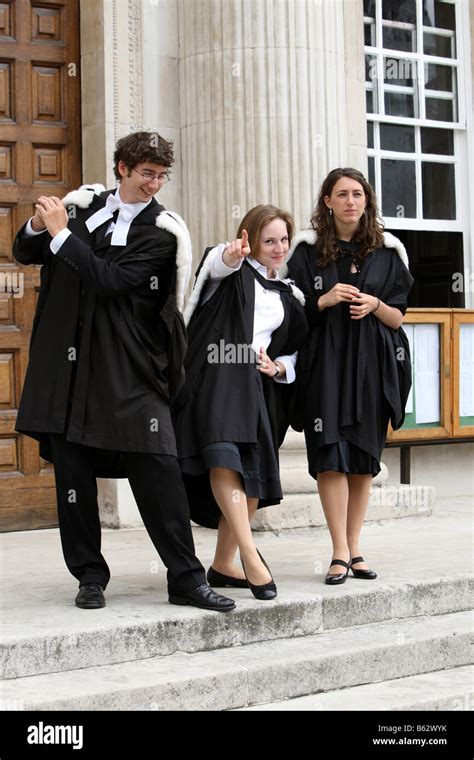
261	98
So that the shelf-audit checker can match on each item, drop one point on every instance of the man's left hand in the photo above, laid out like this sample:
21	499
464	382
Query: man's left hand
53	212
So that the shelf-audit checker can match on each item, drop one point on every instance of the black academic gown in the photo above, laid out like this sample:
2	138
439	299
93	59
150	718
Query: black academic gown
352	376
103	336
220	401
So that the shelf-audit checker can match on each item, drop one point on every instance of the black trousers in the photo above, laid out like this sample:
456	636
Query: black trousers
155	480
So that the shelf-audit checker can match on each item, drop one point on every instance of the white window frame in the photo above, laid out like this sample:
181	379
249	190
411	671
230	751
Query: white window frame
419	120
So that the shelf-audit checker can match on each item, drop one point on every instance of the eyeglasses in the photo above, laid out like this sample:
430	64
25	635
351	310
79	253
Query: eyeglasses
150	177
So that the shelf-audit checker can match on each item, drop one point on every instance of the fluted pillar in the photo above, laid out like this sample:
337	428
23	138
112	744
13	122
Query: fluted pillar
264	107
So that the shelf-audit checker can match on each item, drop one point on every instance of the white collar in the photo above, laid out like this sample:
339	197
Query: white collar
126	215
135	208
261	268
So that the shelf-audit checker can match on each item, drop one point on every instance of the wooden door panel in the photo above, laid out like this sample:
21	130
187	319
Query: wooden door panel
39	154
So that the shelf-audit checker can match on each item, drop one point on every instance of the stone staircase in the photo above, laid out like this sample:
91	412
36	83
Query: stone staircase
194	660
399	642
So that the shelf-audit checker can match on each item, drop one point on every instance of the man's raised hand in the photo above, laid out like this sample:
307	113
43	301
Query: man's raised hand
37	221
53	214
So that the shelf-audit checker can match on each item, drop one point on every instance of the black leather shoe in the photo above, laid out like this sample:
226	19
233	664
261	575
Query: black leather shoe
266	591
204	597
369	575
90	597
336	578
218	580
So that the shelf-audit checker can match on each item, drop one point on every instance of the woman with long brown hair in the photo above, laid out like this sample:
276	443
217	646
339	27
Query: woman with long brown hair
354	372
244	328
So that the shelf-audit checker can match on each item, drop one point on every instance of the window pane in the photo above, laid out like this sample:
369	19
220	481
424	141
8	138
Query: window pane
369	8
439	13
399	71
438	77
398	188
439	198
440	110
399	39
399	104
369	101
434	44
369	34
439	141
396	137
399	11
370	134
371	163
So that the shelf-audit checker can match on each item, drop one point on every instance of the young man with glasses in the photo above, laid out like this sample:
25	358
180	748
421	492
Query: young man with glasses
106	356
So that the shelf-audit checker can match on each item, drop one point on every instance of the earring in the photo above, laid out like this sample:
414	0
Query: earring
330	212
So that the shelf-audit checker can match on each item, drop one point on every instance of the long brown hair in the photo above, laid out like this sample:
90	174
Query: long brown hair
369	234
259	217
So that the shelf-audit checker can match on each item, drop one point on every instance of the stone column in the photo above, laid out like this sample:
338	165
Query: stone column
112	81
265	110
160	81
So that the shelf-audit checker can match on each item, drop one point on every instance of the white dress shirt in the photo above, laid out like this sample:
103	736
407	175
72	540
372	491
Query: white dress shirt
122	225
268	314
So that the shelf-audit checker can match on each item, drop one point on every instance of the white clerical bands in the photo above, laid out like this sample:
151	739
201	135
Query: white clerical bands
127	213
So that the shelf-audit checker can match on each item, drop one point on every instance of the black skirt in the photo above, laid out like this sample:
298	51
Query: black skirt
256	463
342	456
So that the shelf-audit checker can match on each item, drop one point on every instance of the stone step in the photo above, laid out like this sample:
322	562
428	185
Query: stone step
294	440
296	479
303	510
128	630
255	673
451	689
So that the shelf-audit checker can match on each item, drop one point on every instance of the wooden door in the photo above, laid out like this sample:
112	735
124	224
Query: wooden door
40	154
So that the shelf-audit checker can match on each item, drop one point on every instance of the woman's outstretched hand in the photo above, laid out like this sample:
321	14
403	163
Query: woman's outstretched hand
236	250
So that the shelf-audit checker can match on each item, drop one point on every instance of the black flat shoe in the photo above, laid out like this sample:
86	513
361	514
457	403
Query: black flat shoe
90	597
367	574
204	597
336	578
266	591
218	580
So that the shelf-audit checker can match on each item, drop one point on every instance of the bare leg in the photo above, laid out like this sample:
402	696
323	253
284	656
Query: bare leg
359	489
334	493
226	545
228	492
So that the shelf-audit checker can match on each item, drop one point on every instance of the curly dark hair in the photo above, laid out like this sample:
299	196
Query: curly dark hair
369	234
141	147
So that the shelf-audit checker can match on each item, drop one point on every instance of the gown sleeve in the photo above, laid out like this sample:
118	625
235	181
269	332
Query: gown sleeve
402	283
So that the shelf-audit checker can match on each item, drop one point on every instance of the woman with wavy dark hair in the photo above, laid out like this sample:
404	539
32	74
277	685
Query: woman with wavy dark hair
354	372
